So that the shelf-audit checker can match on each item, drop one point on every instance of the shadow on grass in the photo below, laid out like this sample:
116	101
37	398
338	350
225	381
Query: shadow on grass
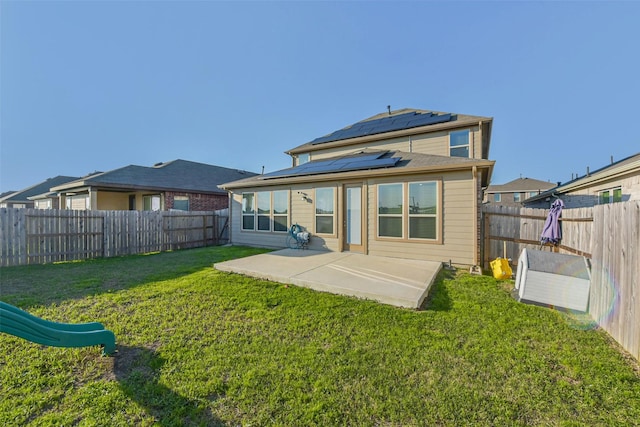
438	298
33	285
137	370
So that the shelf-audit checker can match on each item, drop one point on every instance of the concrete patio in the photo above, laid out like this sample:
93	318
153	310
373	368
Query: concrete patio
394	281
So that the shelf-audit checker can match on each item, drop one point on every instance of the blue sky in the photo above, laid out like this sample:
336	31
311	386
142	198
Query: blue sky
97	85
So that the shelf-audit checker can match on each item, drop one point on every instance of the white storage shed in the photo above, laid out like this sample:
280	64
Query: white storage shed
555	279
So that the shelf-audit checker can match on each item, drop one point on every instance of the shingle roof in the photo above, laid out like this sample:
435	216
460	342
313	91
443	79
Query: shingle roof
521	185
408	162
631	163
379	125
34	190
177	175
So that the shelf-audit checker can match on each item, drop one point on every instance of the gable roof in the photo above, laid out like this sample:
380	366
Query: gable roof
612	171
176	175
34	190
521	185
404	163
392	124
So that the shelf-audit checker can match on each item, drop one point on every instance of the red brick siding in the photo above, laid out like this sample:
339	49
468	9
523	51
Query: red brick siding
199	202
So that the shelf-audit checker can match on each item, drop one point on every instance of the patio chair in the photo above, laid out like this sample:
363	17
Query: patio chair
297	238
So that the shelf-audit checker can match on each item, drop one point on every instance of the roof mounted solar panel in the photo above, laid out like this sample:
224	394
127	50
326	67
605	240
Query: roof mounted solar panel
385	124
341	164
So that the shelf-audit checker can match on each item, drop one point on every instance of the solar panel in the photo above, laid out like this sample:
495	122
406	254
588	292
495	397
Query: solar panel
342	164
384	124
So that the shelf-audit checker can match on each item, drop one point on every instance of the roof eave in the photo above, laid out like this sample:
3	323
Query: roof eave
588	180
106	186
309	147
486	165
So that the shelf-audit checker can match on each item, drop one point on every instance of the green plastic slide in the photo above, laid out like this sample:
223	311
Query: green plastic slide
19	323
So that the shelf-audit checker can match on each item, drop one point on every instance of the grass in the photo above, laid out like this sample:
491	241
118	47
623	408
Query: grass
202	347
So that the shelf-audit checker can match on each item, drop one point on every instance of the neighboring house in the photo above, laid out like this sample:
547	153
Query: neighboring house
405	183
179	185
24	198
513	193
617	182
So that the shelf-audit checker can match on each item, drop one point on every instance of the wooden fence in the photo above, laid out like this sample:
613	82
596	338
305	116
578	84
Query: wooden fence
38	236
609	235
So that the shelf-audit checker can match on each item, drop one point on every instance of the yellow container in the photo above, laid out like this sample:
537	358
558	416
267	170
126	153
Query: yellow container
501	268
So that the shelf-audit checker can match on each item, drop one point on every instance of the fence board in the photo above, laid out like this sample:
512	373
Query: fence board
609	235
35	236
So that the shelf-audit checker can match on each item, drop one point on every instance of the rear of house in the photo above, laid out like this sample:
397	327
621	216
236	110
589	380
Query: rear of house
404	184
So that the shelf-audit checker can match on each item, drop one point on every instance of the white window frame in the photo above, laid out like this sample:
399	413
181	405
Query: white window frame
452	134
610	195
497	197
429	215
284	214
181	199
391	215
269	214
406	215
152	198
517	197
332	215
263	210
303	158
251	214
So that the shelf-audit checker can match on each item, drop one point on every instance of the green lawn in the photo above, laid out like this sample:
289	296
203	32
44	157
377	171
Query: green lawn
202	347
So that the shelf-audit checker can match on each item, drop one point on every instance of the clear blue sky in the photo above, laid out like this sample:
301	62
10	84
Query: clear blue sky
97	85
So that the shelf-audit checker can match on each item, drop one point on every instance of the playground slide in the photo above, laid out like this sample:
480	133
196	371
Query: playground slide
19	323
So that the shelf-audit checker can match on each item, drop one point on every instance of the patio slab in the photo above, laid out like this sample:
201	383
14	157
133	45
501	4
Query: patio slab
394	281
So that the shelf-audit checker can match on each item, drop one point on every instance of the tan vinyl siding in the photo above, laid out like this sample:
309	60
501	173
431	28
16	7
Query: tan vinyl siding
436	143
458	239
457	235
589	196
112	201
432	143
300	212
398	144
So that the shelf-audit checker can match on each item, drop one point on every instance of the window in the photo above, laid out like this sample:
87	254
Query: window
181	203
324	210
77	202
266	211
516	197
610	196
43	204
497	197
459	143
423	210
533	193
248	211
390	209
414	204
151	203
280	210
303	158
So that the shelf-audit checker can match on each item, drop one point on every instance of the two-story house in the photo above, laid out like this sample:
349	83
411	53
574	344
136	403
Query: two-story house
405	183
513	193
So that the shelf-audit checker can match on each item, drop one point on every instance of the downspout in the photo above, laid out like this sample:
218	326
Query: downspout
476	235
481	141
230	203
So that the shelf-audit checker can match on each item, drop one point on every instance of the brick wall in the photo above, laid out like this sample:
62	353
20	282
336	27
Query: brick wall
199	202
